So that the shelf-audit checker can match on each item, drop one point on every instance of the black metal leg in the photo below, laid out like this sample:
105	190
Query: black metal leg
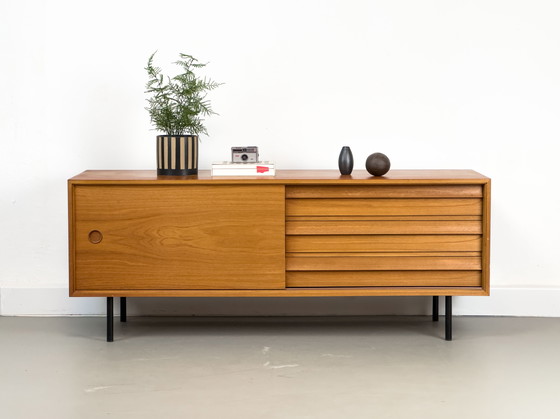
448	318
435	308
109	319
123	309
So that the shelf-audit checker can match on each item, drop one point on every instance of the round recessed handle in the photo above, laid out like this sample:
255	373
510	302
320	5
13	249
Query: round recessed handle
95	236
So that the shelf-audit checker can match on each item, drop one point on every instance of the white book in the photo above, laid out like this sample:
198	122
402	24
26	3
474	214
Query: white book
264	168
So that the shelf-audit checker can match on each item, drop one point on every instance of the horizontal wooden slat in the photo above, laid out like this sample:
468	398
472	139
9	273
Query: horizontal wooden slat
287	292
384	243
389	206
382	227
380	254
384	279
385	191
385	218
382	263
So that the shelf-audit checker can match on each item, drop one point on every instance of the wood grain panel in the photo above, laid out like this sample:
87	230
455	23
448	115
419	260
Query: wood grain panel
382	227
173	237
381	263
385	191
385	243
389	206
384	279
292	177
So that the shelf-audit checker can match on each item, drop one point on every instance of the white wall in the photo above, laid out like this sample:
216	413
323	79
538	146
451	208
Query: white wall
432	84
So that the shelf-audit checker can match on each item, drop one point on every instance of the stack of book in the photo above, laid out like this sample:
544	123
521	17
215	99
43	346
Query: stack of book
226	168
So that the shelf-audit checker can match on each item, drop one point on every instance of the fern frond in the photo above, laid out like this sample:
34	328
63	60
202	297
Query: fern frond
176	106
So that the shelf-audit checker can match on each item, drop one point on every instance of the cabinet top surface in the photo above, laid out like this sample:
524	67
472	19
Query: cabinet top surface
285	177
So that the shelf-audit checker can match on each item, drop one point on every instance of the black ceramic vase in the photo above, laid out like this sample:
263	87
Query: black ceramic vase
378	164
345	161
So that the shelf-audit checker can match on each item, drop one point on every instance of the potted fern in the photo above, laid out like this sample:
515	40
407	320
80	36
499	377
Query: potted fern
177	107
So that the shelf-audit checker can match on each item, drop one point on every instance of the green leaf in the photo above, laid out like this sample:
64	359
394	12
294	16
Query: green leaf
176	107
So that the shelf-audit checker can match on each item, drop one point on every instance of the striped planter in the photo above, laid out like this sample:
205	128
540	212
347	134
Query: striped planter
177	155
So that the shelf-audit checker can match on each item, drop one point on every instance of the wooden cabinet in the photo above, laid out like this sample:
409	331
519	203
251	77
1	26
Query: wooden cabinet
296	234
300	233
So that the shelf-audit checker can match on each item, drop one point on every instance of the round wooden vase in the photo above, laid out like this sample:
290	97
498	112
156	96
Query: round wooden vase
177	155
378	164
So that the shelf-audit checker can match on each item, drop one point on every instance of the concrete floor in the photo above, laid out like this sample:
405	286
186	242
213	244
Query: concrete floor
329	367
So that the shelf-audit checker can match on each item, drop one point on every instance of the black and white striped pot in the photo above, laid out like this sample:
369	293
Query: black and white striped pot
177	155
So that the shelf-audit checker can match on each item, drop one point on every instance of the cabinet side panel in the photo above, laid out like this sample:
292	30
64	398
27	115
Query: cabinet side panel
486	237
71	247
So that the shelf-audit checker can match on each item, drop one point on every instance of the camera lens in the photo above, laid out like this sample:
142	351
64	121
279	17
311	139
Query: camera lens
244	157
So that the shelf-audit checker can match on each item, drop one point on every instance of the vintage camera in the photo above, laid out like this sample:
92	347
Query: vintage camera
248	154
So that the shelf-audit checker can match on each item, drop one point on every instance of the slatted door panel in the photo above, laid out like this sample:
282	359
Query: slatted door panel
396	235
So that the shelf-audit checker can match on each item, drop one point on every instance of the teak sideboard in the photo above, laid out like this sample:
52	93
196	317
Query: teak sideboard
298	234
